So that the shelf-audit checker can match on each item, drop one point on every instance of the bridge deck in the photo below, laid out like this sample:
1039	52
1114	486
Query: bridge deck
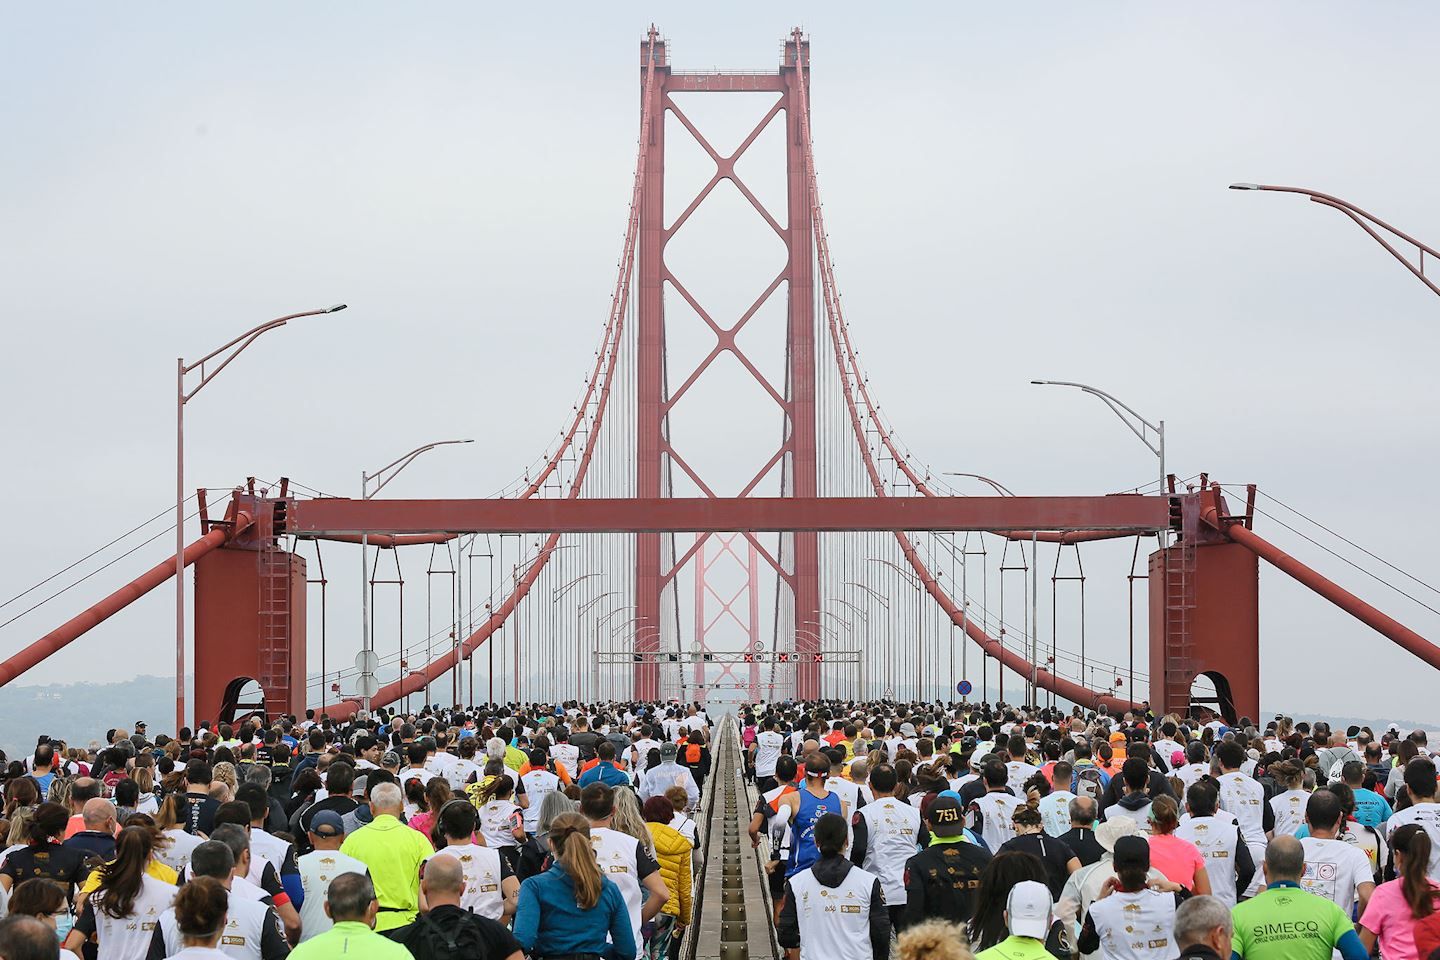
732	871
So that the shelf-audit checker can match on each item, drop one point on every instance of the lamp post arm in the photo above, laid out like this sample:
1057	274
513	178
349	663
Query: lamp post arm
995	485
397	465
594	600
560	592
909	577
1111	402
240	343
1117	406
877	597
1364	220
858	611
629	623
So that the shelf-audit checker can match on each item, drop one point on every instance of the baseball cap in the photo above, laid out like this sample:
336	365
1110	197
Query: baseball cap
390	759
668	751
327	823
907	729
138	723
1132	851
947	817
1028	909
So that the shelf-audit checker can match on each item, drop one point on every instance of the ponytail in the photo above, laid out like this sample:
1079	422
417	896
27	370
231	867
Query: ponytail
48	822
1414	842
570	839
122	878
499	787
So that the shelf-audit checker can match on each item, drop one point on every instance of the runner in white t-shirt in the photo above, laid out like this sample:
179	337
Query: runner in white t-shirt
1420	781
129	935
1334	869
1245	798
768	746
319	867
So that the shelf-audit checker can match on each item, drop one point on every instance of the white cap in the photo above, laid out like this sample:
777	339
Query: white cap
1028	909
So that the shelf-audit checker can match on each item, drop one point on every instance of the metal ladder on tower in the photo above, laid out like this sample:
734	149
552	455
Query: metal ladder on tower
1179	571
273	642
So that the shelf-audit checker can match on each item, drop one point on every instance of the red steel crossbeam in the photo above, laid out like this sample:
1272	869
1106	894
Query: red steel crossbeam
1132	512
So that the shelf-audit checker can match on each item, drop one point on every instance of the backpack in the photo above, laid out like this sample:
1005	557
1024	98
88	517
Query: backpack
1089	783
692	753
461	939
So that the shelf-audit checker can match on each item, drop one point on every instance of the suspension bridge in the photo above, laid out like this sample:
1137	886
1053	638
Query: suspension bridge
620	564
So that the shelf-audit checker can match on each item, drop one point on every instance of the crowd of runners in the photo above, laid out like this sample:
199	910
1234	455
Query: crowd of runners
946	831
550	832
931	831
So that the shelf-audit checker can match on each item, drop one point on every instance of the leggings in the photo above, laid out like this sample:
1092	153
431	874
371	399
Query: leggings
658	946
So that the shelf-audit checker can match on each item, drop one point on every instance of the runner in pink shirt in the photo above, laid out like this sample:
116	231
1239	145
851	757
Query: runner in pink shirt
1391	915
1177	858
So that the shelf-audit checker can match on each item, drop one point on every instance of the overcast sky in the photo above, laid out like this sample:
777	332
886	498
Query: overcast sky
1011	191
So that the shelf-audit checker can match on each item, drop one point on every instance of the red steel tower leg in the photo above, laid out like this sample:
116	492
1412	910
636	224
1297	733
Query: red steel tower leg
650	379
802	367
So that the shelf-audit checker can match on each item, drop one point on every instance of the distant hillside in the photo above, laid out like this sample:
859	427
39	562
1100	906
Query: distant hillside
81	712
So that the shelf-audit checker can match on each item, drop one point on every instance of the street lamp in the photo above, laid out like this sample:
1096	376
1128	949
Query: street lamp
594	600
560	591
995	485
864	616
579	642
1130	418
230	350
1364	221
906	574
381	478
877	597
604	621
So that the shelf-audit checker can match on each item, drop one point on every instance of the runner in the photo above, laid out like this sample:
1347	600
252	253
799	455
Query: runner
941	881
1177	858
319	867
393	853
1419	784
1288	808
1133	918
886	834
766	753
623	860
1243	797
1028	918
1285	922
805	807
809	929
1334	869
1217	836
1080	838
1399	907
991	813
